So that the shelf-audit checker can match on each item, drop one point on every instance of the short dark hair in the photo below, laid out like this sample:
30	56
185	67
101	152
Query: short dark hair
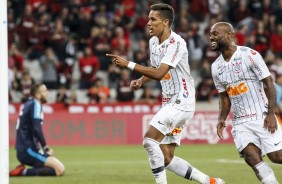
165	10
34	89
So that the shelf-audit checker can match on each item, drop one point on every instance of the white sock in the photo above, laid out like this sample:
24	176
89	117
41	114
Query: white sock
265	174
156	160
184	169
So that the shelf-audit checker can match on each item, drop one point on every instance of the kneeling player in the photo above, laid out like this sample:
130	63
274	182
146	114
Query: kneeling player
30	134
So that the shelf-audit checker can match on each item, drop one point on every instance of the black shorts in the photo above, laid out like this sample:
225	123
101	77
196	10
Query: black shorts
31	158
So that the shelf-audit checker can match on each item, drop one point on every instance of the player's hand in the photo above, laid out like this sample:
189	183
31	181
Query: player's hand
220	126
118	61
48	151
270	123
136	84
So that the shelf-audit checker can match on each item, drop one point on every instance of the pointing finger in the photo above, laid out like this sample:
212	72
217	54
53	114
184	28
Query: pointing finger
111	55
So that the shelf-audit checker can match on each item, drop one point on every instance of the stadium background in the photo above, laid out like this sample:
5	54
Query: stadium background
63	44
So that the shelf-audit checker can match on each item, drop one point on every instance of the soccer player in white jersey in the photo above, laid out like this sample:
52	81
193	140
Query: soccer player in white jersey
169	60
245	84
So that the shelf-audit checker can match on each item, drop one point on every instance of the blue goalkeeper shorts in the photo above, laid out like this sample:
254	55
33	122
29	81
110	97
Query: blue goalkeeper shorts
31	157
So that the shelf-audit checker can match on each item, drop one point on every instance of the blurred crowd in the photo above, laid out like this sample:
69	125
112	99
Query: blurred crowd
63	44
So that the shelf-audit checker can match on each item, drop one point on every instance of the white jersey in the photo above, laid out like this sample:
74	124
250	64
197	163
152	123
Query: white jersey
241	78
177	84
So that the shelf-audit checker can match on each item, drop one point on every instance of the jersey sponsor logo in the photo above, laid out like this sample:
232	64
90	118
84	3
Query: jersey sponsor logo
245	116
253	52
237	90
186	93
167	76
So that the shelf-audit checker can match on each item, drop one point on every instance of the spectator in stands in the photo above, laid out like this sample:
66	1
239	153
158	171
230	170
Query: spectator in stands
141	58
18	60
261	38
124	91
205	90
102	90
49	63
277	14
25	26
36	42
84	28
73	97
113	76
103	17
88	64
195	45
120	41
62	96
148	96
100	44
276	41
12	27
93	94
25	85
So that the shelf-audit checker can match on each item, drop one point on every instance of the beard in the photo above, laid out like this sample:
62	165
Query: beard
221	45
43	100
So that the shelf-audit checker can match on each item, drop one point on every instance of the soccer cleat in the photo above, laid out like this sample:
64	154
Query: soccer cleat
17	171
216	181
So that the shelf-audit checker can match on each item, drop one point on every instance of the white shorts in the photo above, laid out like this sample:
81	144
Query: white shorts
253	132
170	122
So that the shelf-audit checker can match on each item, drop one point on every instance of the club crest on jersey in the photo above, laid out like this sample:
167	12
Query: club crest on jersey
237	66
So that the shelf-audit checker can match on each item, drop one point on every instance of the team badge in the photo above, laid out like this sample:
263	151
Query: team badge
237	66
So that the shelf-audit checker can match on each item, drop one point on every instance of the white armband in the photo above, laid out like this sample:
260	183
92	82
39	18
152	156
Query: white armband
131	65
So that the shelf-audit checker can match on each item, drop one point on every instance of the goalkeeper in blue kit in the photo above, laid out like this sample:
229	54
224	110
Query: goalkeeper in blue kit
31	146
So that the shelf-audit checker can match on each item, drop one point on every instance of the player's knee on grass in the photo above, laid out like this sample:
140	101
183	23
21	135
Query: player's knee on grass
57	165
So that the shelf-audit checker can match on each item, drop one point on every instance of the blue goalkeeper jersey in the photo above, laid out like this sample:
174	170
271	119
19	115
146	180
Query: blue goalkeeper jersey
29	126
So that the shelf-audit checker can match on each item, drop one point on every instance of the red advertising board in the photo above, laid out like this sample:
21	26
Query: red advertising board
114	124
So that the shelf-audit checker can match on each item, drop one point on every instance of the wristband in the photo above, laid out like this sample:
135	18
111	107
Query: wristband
131	65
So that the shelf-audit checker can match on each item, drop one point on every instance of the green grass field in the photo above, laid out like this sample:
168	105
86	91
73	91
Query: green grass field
129	165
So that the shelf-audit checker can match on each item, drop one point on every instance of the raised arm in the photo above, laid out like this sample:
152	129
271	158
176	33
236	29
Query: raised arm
153	73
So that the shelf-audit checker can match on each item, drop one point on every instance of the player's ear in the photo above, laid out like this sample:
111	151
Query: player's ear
166	22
